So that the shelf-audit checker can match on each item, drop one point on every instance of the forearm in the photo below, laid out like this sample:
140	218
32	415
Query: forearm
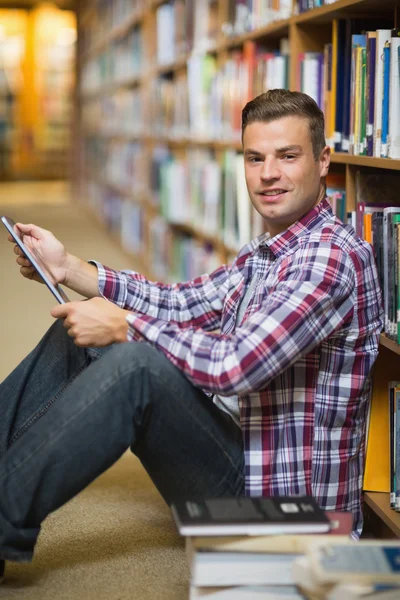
82	277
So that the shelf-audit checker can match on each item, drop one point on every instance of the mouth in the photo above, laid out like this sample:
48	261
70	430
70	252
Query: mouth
272	195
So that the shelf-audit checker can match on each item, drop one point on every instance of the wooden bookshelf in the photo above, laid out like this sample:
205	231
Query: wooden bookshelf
385	521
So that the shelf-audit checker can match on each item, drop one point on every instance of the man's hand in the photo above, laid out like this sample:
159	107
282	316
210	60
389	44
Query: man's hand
93	323
46	248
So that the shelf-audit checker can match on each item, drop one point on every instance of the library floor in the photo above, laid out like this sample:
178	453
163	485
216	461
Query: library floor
116	540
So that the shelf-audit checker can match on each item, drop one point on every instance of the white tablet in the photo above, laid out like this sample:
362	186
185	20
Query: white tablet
55	289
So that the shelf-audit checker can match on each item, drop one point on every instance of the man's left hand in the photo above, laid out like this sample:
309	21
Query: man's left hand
93	323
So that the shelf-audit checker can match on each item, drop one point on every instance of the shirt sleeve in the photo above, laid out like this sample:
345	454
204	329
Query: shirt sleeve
197	303
313	298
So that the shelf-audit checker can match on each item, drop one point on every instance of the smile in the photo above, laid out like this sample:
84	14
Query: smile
273	194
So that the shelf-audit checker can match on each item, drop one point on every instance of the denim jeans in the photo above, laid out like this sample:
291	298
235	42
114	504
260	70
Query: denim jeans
68	413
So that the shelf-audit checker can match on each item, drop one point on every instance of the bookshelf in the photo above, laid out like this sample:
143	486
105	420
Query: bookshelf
173	111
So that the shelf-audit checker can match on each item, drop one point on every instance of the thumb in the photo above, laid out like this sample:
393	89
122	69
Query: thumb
32	230
60	311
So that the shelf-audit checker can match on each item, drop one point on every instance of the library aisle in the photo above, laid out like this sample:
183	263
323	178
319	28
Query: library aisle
116	540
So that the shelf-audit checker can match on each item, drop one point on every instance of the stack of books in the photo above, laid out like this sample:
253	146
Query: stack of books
245	548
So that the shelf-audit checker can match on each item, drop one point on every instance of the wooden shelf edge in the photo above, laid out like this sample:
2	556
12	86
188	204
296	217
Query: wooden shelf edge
336	157
365	161
378	502
390	344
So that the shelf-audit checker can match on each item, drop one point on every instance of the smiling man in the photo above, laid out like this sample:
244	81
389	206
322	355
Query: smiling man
254	379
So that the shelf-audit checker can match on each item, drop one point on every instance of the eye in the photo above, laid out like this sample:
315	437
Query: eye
289	156
253	159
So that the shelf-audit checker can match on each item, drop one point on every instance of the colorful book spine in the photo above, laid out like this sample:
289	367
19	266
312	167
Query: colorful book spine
371	59
394	101
363	104
385	100
382	36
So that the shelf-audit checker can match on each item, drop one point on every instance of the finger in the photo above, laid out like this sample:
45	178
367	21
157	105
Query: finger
23	262
18	251
60	311
28	272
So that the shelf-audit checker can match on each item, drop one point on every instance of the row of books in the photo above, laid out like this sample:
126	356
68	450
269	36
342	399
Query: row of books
247	15
211	193
207	102
171	254
115	114
302	6
107	17
184	26
361	88
122	217
118	64
281	548
122	164
359	93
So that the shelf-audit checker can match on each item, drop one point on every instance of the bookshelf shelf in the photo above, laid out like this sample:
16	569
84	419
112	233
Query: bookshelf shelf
365	161
325	14
275	29
390	344
110	88
378	502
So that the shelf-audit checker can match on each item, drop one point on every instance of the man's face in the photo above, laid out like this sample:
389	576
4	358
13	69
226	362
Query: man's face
283	179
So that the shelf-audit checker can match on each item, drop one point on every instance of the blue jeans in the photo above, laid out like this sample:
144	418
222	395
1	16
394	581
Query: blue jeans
68	413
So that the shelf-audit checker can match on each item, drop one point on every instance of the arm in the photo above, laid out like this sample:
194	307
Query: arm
197	303
313	298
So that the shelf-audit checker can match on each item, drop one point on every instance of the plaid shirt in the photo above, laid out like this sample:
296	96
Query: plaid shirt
300	361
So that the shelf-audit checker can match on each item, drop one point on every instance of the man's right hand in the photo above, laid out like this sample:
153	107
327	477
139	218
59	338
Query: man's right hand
46	247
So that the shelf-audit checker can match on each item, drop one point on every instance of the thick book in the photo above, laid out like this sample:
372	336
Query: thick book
250	516
297	543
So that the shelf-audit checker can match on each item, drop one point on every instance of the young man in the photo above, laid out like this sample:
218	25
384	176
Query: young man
272	404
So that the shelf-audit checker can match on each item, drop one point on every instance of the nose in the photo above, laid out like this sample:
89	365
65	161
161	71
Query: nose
270	169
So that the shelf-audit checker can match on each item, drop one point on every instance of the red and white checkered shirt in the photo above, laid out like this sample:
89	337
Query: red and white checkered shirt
300	361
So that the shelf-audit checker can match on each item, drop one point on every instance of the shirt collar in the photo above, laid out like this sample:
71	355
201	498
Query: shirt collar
284	241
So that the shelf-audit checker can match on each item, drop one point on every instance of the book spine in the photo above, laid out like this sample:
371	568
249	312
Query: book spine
382	36
397	451
385	100
371	56
394	101
363	103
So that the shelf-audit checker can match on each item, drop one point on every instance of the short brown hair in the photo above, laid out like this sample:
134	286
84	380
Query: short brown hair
279	103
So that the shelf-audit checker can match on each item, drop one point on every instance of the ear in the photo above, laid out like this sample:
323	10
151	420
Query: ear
324	161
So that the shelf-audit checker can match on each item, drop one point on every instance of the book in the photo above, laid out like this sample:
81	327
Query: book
365	561
248	568
385	100
371	62
245	592
341	527
382	36
394	100
354	591
250	516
